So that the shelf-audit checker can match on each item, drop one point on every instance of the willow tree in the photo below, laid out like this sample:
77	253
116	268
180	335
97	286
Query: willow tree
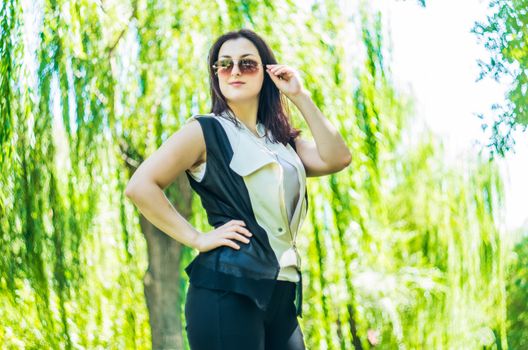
503	34
400	242
517	288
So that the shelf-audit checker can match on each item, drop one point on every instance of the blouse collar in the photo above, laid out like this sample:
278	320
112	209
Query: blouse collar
261	128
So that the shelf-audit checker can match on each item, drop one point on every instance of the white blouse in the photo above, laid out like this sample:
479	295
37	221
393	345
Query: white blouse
282	243
290	179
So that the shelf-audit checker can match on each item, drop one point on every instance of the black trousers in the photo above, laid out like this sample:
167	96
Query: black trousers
224	320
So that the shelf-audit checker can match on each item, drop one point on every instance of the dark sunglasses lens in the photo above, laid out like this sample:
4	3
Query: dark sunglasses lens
224	66
248	66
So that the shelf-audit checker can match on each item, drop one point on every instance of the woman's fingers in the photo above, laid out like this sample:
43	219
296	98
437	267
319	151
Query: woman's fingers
237	225
243	230
236	235
233	230
234	222
274	67
230	243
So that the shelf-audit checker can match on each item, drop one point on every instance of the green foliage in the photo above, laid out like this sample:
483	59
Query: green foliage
505	35
517	287
401	242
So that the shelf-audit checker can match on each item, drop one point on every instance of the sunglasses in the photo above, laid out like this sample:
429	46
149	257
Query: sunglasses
224	66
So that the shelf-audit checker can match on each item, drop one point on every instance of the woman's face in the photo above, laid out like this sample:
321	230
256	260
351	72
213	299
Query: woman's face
237	49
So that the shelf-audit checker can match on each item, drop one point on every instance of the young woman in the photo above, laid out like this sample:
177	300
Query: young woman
249	167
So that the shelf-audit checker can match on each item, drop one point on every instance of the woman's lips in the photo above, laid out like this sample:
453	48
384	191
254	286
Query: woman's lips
236	84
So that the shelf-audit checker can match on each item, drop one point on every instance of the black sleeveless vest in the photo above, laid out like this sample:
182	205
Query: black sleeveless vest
253	269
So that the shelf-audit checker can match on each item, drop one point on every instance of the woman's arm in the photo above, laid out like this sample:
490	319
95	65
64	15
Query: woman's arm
179	152
183	150
329	153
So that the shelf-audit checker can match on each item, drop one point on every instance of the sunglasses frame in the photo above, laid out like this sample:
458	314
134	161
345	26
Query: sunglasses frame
216	67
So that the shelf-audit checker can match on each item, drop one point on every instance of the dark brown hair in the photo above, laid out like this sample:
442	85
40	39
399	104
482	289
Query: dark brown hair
271	105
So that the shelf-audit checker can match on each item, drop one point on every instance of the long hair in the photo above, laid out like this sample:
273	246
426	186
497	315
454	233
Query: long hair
271	111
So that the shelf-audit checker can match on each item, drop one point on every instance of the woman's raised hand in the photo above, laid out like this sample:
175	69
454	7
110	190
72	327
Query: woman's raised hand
234	229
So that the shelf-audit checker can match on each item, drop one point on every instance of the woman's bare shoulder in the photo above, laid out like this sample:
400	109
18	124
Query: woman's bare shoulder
181	151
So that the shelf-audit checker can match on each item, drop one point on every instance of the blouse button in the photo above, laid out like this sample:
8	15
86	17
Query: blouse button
280	229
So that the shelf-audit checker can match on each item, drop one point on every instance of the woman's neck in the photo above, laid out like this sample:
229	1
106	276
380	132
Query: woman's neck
246	113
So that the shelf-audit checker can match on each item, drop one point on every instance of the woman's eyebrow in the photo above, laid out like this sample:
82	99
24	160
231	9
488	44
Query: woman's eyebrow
244	55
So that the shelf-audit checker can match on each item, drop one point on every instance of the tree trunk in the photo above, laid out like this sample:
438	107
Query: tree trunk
162	278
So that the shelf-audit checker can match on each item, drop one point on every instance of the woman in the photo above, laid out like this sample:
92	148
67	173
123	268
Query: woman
249	167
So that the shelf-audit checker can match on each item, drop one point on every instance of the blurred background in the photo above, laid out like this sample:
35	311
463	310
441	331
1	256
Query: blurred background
421	243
